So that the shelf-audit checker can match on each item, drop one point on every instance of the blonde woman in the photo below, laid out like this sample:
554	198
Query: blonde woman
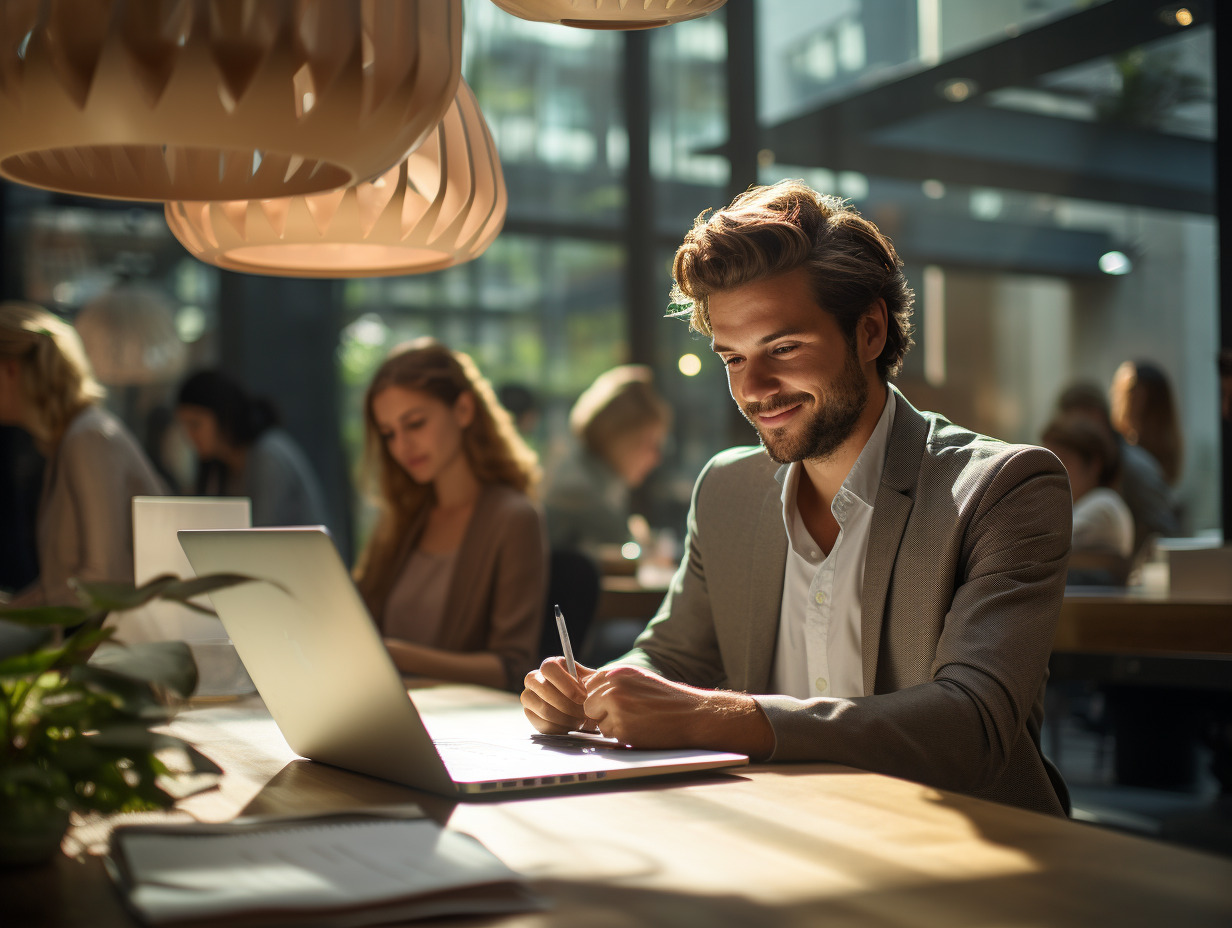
456	570
94	466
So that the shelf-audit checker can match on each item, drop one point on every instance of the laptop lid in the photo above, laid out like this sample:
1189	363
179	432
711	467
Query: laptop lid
157	551
318	661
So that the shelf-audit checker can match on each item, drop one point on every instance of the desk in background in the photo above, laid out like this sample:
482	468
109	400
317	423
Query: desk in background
1147	639
1105	635
766	845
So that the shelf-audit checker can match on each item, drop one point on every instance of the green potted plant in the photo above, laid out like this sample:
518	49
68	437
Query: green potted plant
75	736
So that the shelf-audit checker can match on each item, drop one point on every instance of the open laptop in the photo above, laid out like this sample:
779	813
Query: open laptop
157	551
318	661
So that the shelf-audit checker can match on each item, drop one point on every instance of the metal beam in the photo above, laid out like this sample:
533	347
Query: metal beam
1016	61
990	147
905	127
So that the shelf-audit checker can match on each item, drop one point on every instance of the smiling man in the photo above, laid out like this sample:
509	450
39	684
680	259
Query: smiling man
874	586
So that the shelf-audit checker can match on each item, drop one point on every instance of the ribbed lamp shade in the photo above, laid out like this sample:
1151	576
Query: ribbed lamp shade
219	99
609	14
442	206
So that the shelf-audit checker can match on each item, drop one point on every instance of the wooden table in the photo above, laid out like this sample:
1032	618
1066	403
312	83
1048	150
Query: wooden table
1095	619
786	845
1144	639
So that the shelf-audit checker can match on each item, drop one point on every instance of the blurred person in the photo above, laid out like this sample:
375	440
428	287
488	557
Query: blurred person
93	467
1144	412
1140	478
874	586
455	572
619	425
1103	528
242	451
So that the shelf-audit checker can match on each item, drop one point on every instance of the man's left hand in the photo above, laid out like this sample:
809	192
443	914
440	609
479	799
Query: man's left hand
645	710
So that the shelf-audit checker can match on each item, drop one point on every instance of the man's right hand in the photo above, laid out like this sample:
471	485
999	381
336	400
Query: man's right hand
552	699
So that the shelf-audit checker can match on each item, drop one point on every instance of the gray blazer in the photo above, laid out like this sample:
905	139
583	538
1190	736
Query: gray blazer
962	590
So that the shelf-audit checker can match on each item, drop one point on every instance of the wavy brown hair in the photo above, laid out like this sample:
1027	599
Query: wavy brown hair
57	381
495	451
773	230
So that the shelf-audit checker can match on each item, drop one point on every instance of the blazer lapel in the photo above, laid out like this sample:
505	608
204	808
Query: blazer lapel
895	497
764	589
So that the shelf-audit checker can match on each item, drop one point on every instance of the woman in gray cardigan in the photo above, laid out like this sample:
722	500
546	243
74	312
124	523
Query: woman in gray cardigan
94	465
455	572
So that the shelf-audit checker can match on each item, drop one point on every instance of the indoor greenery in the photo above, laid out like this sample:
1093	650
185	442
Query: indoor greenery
75	736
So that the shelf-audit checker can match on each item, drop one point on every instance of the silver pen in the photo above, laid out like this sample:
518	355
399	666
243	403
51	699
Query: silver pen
566	647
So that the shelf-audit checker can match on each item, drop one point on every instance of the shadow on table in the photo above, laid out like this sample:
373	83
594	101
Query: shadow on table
305	787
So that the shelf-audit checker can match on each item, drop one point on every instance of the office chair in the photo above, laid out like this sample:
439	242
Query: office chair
573	583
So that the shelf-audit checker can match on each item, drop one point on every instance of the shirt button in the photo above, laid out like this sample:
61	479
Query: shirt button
819	598
814	554
821	683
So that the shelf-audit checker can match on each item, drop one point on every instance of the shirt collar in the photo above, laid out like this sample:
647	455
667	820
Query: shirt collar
865	475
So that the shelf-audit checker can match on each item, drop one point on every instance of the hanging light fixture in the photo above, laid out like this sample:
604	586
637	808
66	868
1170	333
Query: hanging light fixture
609	14
442	206
219	99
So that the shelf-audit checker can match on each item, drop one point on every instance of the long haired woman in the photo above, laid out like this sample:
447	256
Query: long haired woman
455	572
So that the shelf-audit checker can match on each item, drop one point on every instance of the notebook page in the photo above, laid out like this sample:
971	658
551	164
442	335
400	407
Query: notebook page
306	868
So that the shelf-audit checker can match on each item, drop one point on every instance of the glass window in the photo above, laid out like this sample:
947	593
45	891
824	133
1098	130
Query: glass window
1055	219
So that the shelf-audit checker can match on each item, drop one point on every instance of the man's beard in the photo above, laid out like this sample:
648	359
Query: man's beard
824	429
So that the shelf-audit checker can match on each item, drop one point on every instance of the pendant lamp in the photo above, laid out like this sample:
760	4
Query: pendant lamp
219	99
442	206
609	14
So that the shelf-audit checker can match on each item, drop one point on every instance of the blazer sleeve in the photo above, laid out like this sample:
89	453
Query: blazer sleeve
963	726
519	586
680	642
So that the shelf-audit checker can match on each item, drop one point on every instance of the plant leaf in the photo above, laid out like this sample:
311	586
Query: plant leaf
31	664
167	664
21	639
183	590
46	616
107	596
84	640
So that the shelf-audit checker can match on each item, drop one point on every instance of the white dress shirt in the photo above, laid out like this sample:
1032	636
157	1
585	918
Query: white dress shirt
818	648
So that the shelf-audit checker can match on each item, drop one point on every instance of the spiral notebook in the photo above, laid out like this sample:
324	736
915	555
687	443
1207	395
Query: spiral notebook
326	872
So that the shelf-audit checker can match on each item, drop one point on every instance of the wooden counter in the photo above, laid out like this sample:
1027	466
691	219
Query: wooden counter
790	845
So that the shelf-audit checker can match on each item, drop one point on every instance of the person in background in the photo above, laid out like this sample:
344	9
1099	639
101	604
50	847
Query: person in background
1143	411
94	466
1141	482
619	425
455	572
1103	531
241	451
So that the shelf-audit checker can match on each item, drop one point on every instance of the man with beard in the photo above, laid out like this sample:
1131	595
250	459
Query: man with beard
879	588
